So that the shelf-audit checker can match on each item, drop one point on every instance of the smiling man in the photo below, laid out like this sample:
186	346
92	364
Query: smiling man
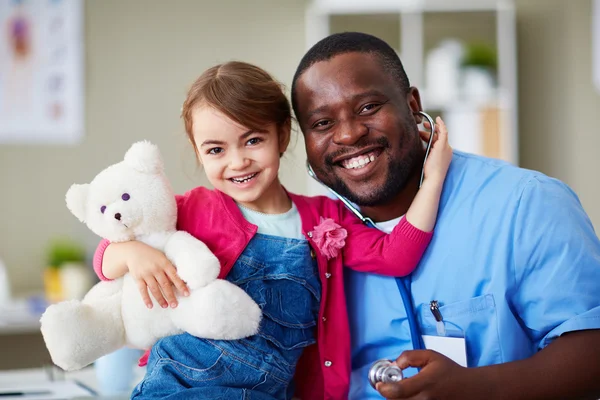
513	271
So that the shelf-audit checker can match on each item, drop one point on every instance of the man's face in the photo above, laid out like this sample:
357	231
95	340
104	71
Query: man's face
360	133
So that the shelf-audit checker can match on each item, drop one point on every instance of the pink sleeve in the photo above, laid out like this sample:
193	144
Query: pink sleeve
371	250
98	256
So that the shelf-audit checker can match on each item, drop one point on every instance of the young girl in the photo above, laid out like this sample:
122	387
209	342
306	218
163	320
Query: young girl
286	251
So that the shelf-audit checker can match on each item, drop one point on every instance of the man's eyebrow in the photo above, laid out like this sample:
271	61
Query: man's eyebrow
354	97
311	113
373	92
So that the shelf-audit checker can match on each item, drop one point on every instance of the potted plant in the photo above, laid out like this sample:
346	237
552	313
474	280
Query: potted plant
479	66
66	275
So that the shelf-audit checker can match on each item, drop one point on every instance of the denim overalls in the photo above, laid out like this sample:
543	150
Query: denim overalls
282	277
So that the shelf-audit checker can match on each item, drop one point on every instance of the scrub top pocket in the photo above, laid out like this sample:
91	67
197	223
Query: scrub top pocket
472	318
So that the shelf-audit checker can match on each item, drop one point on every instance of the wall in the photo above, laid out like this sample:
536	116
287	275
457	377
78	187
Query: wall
141	56
559	106
584	111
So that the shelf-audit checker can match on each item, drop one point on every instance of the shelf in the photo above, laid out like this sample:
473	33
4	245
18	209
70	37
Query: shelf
403	6
500	99
18	317
413	28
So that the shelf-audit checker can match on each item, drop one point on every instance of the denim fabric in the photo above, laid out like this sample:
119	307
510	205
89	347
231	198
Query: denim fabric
282	277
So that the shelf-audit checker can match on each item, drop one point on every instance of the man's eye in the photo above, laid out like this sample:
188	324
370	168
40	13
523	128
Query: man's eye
215	150
369	107
253	141
321	124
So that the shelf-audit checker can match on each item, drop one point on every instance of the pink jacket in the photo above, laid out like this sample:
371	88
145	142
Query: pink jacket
323	371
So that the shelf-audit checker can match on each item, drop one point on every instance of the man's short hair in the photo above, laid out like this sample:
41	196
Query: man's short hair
349	42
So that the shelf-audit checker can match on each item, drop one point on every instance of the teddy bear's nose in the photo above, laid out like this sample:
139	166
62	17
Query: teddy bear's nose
118	216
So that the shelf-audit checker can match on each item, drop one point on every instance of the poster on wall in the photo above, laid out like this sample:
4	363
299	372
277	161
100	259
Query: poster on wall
41	71
596	44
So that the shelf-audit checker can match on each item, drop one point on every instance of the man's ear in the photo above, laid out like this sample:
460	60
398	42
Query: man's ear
284	133
413	99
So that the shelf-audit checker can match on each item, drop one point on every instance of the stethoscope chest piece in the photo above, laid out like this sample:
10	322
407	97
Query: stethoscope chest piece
384	371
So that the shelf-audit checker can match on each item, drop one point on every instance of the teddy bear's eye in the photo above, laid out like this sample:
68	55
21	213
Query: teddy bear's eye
102	209
125	196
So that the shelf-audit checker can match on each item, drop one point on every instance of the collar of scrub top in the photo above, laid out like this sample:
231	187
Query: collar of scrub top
348	203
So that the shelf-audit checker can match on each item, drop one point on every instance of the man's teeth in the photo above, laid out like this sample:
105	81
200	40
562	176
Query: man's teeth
358	162
243	179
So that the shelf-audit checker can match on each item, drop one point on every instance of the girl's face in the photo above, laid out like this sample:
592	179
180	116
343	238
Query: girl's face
238	161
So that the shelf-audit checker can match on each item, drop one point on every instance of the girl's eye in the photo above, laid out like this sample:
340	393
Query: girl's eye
125	196
215	150
102	209
254	141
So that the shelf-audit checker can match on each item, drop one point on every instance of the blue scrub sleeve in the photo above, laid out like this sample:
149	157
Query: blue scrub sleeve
556	262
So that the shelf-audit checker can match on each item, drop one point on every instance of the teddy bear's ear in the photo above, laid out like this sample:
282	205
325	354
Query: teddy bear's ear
144	157
76	200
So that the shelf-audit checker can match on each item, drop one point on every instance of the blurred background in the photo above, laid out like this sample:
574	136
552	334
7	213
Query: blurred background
513	79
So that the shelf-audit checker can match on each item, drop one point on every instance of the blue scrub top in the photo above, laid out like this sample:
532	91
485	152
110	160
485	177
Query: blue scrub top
514	263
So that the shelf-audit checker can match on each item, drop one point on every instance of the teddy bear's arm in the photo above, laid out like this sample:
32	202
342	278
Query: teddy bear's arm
195	263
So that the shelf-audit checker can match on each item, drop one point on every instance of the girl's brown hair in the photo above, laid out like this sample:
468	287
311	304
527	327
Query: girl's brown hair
243	92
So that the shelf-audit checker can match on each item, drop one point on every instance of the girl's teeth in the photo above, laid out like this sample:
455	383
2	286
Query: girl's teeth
244	179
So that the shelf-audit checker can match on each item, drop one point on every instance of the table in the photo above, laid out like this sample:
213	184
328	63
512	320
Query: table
85	379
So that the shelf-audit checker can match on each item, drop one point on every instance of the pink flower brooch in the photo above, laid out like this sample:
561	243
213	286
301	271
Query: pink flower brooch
329	237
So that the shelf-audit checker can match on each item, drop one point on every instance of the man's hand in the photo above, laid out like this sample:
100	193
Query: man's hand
568	368
439	378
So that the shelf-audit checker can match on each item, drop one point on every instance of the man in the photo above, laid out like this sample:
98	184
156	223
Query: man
514	264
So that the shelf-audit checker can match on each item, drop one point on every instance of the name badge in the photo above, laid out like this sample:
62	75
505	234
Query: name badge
452	347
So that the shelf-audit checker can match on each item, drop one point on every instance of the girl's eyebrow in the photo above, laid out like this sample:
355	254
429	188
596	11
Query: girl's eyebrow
212	142
221	143
246	134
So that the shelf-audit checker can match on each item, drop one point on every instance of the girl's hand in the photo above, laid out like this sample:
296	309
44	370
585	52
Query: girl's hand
151	269
440	154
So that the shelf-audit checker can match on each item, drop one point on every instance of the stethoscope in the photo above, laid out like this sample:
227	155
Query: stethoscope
403	283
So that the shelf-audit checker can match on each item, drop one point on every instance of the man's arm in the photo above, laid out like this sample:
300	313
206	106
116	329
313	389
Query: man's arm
555	293
568	368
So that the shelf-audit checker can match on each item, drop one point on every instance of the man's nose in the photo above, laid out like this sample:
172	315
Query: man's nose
349	131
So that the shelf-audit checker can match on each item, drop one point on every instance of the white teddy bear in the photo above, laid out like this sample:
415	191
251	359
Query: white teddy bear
133	200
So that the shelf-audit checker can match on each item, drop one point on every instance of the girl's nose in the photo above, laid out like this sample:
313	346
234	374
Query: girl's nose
239	161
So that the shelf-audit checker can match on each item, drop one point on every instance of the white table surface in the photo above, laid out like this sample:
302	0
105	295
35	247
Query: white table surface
85	377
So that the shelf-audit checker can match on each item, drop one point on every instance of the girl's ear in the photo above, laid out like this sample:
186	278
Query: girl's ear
284	136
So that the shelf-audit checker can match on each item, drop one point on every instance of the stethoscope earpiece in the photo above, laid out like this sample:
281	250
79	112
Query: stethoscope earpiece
429	142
